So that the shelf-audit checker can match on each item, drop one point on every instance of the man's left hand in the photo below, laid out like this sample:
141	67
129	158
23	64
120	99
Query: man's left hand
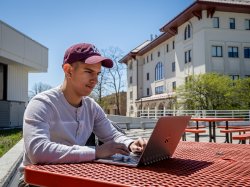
138	145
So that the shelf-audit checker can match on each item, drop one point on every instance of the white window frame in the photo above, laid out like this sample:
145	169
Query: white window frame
217	51
216	22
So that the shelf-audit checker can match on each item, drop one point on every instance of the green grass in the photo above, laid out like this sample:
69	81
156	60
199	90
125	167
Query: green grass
8	138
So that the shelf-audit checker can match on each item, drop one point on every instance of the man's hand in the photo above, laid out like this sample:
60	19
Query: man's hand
110	148
138	145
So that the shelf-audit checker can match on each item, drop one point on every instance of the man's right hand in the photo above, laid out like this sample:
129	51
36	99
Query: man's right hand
110	148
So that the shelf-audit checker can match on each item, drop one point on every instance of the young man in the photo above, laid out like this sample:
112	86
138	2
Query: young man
58	122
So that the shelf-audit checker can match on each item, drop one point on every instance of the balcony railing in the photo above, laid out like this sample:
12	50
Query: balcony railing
155	114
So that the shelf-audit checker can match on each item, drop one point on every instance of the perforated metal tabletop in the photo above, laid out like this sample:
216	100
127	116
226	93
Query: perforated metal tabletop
193	164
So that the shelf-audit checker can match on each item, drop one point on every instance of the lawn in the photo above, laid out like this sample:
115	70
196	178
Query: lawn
8	138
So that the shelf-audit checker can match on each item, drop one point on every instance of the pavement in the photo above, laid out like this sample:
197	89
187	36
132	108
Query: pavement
204	137
10	162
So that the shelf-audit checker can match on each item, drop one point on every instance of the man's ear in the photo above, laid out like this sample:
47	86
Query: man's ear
67	68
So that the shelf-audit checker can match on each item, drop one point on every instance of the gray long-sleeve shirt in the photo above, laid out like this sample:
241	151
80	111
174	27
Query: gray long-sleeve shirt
56	132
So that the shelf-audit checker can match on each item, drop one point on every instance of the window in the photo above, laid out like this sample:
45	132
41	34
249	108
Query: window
159	71
247	52
167	48
247	24
174	86
147	59
147	76
234	77
188	56
187	79
187	32
173	44
173	66
130	80
151	56
3	82
216	22
233	52
147	91
131	109
159	90
232	23
131	95
159	54
130	65
216	51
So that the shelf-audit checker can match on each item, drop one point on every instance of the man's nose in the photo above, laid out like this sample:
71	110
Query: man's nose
94	79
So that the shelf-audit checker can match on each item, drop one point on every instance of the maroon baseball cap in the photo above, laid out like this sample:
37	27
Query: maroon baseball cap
86	53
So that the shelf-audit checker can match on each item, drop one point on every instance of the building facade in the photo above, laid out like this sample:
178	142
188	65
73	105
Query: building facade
208	36
19	55
110	106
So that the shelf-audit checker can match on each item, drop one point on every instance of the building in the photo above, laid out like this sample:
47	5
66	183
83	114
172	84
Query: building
110	107
19	55
208	36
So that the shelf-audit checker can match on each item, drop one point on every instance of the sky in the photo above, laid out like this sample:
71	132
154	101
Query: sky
57	25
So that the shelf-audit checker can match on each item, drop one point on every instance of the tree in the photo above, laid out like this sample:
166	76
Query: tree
101	89
210	91
115	77
38	88
241	94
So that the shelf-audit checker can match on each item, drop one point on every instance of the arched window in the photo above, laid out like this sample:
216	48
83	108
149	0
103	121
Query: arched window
158	71
187	32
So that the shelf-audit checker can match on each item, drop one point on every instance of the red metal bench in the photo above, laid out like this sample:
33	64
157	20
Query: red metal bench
231	131
232	127
195	131
242	137
195	127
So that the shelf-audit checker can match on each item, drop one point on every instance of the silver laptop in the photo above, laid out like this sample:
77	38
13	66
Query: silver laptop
161	144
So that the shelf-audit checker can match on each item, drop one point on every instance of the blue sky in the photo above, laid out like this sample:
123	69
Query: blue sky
106	23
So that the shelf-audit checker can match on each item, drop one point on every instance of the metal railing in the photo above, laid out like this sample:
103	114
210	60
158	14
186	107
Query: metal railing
155	114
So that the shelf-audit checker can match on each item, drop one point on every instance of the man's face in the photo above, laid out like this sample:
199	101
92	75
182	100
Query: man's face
84	77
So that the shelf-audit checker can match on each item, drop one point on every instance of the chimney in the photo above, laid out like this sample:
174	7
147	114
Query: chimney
151	37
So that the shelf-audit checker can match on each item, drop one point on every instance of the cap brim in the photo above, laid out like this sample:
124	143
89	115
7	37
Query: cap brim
106	62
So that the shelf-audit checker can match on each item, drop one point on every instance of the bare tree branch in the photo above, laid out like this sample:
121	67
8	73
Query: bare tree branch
116	76
38	88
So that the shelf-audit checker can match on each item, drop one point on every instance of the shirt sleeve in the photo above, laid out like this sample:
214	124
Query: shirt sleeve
105	131
37	144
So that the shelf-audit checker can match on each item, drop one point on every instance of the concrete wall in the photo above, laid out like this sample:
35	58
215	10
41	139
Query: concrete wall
17	83
21	55
134	123
11	114
15	47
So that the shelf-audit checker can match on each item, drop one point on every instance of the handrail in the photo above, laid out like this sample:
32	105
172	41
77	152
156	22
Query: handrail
155	113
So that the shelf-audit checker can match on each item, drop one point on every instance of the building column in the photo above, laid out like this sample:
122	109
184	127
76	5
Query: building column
156	111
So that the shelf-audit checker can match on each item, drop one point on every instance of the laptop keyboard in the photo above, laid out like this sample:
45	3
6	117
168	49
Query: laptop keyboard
123	158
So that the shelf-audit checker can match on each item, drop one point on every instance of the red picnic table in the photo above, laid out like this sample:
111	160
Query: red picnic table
212	126
193	164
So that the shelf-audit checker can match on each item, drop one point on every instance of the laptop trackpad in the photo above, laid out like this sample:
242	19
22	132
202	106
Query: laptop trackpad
131	160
